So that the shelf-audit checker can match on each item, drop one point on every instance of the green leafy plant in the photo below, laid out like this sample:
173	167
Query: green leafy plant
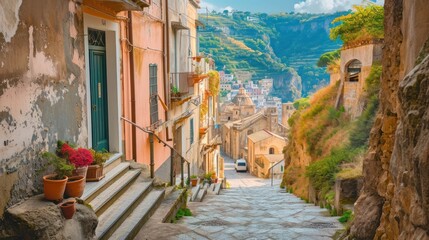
100	157
183	212
365	23
174	90
60	165
347	215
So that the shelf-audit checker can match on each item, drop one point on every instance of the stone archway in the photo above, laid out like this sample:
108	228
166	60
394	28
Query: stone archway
353	70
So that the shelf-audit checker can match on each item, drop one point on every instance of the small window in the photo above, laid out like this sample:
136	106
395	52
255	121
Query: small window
241	164
271	150
153	88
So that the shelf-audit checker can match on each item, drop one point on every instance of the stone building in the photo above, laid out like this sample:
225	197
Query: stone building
240	107
264	152
234	133
355	67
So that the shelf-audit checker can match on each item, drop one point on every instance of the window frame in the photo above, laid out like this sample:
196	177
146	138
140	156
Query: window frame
153	93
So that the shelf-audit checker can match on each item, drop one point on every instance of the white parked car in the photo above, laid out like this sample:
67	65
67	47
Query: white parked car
241	165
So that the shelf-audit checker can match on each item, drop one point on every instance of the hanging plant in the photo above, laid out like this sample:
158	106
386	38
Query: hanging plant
214	82
204	108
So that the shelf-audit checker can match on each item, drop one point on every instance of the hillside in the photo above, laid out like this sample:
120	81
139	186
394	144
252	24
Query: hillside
285	47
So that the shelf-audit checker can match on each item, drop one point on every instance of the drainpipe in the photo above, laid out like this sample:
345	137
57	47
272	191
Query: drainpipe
132	85
166	42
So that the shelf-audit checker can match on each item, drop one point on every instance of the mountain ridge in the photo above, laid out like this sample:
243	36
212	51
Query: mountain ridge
272	46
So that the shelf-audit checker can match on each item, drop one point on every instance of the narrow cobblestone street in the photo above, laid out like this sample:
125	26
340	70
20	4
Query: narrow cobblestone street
250	209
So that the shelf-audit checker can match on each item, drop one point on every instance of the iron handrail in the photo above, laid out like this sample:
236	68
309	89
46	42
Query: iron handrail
272	170
157	137
173	151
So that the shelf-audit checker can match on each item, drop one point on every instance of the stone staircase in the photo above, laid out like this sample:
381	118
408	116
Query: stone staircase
123	200
201	190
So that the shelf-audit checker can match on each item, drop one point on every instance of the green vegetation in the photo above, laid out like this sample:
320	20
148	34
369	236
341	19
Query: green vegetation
360	132
328	58
347	215
183	212
322	173
365	23
60	165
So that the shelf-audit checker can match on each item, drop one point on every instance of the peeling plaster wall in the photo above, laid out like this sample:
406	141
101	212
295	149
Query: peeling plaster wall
42	89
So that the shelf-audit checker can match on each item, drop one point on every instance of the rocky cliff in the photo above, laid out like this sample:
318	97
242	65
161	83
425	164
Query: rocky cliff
394	202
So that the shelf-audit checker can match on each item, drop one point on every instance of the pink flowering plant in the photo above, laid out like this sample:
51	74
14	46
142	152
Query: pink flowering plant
80	157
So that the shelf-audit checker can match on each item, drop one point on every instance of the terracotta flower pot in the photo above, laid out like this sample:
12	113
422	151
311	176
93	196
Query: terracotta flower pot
75	186
54	189
68	208
80	171
194	182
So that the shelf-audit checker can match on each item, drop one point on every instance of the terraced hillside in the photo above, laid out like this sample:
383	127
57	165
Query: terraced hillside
284	46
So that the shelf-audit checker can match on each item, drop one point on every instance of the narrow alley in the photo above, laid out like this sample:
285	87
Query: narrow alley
249	209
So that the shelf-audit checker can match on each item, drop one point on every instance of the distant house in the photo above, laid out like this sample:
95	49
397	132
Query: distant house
264	151
252	19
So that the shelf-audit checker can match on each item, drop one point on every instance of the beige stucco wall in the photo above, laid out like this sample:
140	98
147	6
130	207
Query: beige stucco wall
42	91
258	149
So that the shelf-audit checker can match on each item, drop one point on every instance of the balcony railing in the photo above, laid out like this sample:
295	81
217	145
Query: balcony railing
182	86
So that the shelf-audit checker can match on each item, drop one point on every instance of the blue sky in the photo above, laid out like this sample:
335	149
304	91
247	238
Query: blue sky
275	6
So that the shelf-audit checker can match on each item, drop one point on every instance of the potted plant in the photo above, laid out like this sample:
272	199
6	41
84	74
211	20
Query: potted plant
197	58
194	180
54	185
95	170
68	208
208	178
213	177
81	158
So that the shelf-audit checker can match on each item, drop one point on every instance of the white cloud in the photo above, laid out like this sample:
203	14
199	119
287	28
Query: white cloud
328	6
211	7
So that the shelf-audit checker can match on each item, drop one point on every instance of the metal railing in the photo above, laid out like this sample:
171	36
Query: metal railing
272	170
173	152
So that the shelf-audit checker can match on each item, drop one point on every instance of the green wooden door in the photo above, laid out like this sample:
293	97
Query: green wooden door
98	88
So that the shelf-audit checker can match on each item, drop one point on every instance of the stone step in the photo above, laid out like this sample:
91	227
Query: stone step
92	189
217	188
195	191
114	191
201	194
112	162
113	216
141	214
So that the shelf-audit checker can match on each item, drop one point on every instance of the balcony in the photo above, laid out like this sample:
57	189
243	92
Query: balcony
182	87
115	6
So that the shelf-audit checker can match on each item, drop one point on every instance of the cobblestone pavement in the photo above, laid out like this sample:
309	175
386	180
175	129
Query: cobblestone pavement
251	209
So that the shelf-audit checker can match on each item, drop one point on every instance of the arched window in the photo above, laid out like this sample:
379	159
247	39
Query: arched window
353	70
271	150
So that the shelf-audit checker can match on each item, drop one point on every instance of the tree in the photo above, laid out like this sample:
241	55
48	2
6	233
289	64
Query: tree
365	23
328	58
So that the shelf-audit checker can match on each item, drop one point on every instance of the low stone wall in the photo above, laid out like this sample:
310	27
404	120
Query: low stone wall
346	192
